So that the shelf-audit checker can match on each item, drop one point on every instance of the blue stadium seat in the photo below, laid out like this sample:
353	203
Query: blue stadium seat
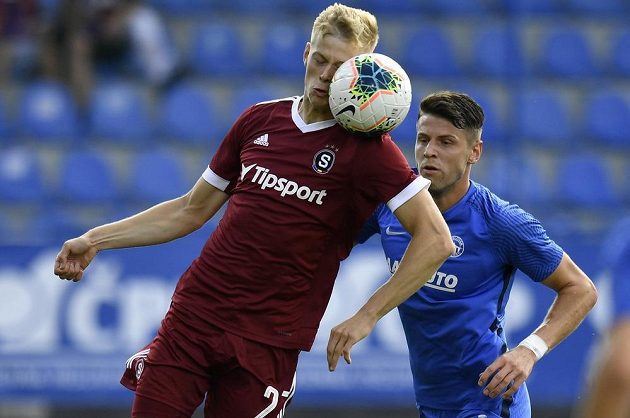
620	53
218	49
542	117
86	176
283	50
494	170
524	7
496	52
244	97
391	7
308	8
530	187
405	134
181	7
56	223
607	118
494	129
157	176
566	52
21	176
514	177
189	114
257	8
47	111
428	51
120	113
585	180
457	7
589	7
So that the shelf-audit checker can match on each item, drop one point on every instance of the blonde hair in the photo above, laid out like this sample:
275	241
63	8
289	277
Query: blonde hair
355	25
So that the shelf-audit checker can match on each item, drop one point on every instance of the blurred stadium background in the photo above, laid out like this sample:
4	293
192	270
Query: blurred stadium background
552	75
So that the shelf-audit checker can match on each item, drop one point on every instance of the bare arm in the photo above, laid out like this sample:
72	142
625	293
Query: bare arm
430	245
576	295
161	223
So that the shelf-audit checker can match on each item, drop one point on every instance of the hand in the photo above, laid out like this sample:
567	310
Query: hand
510	369
73	259
345	335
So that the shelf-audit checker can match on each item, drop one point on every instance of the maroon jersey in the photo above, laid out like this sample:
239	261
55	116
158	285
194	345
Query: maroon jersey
298	195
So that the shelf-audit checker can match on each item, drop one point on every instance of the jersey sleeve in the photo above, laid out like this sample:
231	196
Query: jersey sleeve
370	227
225	166
521	241
384	174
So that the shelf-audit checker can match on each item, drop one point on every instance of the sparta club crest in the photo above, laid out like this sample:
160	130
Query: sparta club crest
323	160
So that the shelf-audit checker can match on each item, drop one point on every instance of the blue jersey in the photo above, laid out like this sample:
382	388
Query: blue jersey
454	323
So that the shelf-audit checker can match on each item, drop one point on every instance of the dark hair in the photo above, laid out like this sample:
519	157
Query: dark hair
458	108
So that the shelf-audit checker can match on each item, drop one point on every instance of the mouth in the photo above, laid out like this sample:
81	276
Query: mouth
320	92
428	170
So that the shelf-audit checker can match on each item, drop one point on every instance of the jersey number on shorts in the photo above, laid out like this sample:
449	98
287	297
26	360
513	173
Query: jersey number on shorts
273	394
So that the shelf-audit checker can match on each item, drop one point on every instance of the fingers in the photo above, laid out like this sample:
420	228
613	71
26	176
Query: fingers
61	260
336	348
490	370
67	268
346	353
71	270
339	344
507	373
499	382
512	389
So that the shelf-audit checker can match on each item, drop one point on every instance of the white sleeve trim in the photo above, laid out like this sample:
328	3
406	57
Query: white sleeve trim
408	192
212	178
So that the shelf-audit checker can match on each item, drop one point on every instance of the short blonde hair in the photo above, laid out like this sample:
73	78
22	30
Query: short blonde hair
355	25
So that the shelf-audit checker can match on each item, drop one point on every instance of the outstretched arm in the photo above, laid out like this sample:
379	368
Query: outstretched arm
430	245
161	223
576	295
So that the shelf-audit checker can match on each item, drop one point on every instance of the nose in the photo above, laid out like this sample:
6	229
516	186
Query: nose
328	73
429	149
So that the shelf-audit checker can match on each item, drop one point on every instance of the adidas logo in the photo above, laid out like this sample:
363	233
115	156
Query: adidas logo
262	140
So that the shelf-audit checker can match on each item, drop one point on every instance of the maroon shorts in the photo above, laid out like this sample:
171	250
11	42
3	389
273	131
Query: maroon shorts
185	363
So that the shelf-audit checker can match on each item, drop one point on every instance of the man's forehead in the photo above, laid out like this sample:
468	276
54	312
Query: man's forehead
334	48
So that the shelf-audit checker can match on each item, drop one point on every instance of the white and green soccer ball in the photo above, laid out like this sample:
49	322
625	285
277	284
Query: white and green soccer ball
370	94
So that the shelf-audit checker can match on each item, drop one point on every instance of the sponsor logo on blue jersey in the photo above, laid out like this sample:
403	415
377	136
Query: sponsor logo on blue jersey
440	280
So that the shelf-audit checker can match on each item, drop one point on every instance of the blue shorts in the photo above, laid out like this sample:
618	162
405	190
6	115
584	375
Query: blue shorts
518	407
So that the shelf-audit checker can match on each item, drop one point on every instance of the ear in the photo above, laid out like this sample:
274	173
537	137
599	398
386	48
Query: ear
476	152
307	50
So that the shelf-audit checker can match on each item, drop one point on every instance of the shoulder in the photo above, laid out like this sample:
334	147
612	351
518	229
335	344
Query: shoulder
500	215
267	111
269	105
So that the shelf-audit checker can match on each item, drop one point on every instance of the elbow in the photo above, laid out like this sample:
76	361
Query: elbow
585	292
444	246
591	294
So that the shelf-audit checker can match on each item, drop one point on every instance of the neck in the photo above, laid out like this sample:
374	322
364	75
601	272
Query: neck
447	198
310	115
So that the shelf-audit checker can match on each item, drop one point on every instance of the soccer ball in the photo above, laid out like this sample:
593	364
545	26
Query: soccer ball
370	94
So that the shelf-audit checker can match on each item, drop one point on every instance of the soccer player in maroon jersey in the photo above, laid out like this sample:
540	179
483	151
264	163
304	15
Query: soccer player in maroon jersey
300	187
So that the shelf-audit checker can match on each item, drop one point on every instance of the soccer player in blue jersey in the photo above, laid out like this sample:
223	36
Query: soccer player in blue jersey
454	325
609	394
